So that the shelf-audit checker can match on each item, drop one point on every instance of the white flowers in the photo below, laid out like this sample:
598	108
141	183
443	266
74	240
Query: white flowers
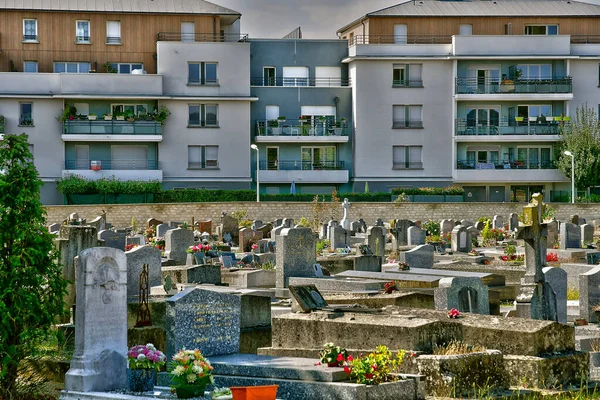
141	357
191	378
178	371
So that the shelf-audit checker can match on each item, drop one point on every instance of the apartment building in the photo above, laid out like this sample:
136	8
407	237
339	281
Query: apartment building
113	66
303	116
473	93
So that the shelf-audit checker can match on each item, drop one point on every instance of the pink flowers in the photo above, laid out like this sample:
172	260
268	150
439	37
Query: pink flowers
200	248
145	357
254	247
454	314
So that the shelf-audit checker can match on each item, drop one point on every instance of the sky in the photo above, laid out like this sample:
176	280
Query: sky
319	19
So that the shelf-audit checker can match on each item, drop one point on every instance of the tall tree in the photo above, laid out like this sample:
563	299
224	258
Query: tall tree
31	282
582	138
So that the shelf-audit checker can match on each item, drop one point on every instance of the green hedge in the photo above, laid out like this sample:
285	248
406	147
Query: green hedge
430	191
215	196
76	184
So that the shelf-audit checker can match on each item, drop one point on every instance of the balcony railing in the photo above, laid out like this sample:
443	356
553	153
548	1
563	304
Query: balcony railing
209	164
301	166
401	39
201	37
30	38
495	86
504	165
1	124
407	83
300	128
113	40
407	124
408	165
585	39
505	126
82	39
113	127
150	165
293	82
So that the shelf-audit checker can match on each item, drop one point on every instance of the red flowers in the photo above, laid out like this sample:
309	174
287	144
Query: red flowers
454	314
340	357
552	257
347	370
390	288
350	358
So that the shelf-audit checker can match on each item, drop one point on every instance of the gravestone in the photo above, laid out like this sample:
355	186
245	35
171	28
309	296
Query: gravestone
400	233
363	225
308	297
513	221
552	237
419	257
574	219
416	236
153	222
205	320
593	258
229	225
446	226
99	223
376	240
570	236
464	294
54	228
99	362
557	279
479	225
162	229
175	224
589	294
137	240
318	270
587	233
285	224
204	226
227	262
113	239
355	227
461	240
296	255
498	222
177	241
136	258
379	222
323	232
256	224
338	237
263	246
345	222
466	222
582	221
247	237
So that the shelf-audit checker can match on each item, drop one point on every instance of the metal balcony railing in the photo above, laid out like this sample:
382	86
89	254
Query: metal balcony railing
496	86
301	166
201	37
139	164
209	164
504	165
1	124
585	39
113	40
407	124
401	39
113	127
407	83
82	39
300	128
293	82
408	165
505	126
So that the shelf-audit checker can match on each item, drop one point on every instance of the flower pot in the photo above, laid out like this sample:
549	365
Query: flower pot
333	364
190	391
92	117
254	392
120	118
108	118
141	380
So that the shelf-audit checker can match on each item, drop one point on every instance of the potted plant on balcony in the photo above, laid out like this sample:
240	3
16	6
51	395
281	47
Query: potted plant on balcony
107	117
162	115
68	114
129	116
274	127
92	117
339	126
281	120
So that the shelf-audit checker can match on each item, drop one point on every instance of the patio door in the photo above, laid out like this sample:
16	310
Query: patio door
269	76
484	79
272	158
484	118
129	157
400	33
318	157
82	157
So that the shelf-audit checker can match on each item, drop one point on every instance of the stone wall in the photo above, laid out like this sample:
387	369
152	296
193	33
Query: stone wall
121	215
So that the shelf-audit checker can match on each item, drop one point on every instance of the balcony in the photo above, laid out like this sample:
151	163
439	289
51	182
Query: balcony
505	126
560	89
511	45
303	172
300	131
121	169
201	37
514	171
101	130
394	45
302	82
117	85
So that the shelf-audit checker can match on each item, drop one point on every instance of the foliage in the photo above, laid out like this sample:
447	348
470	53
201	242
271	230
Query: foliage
549	214
582	138
430	191
432	227
322	245
161	115
145	357
456	347
485	220
190	367
217	392
492	235
68	114
205	196
109	69
510	250
376	367
402	198
31	281
76	184
334	205
304	223
433	239
333	355
268	266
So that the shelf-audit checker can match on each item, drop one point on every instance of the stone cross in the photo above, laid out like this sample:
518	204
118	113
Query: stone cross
345	221
534	232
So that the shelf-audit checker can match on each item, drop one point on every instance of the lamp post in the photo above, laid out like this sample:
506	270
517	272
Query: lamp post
255	147
568	153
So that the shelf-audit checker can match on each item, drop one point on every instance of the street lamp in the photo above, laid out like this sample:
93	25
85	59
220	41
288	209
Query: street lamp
255	147
568	153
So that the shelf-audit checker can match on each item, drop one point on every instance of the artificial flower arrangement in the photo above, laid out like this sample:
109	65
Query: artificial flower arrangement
190	373
375	368
254	247
454	314
552	257
334	356
390	287
403	266
144	361
131	246
200	248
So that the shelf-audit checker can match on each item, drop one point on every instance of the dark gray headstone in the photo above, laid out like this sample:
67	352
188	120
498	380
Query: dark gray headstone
177	241
136	258
570	236
376	240
464	294
557	279
589	294
296	255
587	233
308	297
161	230
112	239
416	236
513	221
419	257
53	228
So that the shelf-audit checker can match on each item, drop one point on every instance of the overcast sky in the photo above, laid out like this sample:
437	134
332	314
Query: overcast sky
318	18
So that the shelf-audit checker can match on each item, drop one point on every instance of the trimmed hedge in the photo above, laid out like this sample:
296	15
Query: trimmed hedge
216	196
430	191
76	184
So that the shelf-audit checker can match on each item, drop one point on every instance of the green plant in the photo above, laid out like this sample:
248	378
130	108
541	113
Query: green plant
304	223
129	115
68	114
510	250
268	266
333	355
76	184
322	245
217	392
109	68
402	198
549	213
455	347
430	191
432	227
31	279
161	115
272	123
485	220
376	367
433	239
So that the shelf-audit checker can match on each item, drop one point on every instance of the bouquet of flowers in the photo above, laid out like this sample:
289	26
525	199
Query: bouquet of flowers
334	356
145	357
403	266
200	248
454	314
390	287
190	368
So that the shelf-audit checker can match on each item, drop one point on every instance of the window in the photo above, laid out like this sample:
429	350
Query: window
328	76
30	30
129	157
30	66
535	71
407	75
407	116
82	108
269	76
203	115
202	73
400	33
318	158
136	109
295	76
483	117
541	30
188	32
200	157
82	158
534	157
466	30
408	157
126	68
72	67
82	32
534	111
26	114
113	32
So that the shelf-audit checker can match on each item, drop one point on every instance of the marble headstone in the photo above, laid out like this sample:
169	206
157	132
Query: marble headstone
162	229
416	236
464	294
419	257
177	241
461	240
446	226
295	256
338	237
498	222
557	279
136	258
587	233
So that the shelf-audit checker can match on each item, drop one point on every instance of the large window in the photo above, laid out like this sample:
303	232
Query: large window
129	157
406	75
202	73
407	116
26	114
541	30
535	71
127	68
30	66
483	116
322	157
30	30
200	157
534	111
203	115
82	32
136	109
72	67
269	76
113	32
534	157
408	157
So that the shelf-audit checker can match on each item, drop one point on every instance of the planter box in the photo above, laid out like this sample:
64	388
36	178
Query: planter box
85	199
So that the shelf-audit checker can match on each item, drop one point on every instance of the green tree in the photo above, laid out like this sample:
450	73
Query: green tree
31	282
582	138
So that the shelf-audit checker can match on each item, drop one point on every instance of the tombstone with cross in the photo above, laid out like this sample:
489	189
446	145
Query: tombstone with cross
536	299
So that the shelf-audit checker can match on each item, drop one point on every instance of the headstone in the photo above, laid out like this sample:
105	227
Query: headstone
355	226
552	237
54	228
582	221
99	362
473	232
419	257
247	237
230	226
285	224
464	294
376	240
136	258
175	224
162	229
113	239
137	240
205	320
296	255
570	236
574	219
513	221
466	222
152	222
400	233
446	226
589	294
498	222
557	279
479	225
593	258
177	241
379	222
587	233
416	236
263	246
323	232
308	297
363	225
227	262
461	240
99	223
345	223
338	237
256	223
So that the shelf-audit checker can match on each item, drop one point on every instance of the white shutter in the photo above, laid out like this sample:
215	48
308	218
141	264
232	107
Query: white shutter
415	113
295	76
466	29
400	31
272	112
187	32
129	157
113	29
318	110
414	156
416	74
194	156
399	115
212	156
82	157
328	76
398	154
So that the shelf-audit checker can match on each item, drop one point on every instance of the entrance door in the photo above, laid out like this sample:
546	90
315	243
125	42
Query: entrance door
497	194
400	32
272	158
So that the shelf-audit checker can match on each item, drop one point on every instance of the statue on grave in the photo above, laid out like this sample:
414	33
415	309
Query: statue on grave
345	223
536	299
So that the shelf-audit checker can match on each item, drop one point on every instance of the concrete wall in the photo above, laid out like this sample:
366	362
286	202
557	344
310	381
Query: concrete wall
586	86
120	215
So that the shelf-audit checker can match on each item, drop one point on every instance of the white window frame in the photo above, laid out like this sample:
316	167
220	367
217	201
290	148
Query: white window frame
408	80
36	40
202	115
78	63
89	31
135	106
545	26
264	80
21	119
32	62
407	123
114	37
533	105
533	146
526	76
117	66
312	155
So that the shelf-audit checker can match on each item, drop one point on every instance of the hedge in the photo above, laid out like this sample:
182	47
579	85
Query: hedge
430	191
76	184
